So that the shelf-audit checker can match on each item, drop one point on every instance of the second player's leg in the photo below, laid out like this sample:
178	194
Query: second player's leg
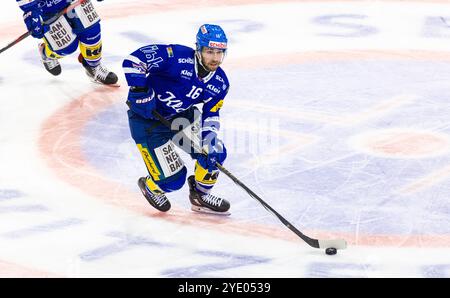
58	42
91	55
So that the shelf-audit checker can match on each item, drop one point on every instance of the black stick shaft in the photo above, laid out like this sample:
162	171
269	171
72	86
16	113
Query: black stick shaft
310	241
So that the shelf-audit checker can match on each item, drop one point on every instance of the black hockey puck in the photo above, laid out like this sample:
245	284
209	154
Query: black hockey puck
331	251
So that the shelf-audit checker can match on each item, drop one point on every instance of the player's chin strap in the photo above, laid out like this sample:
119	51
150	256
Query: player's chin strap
202	71
316	243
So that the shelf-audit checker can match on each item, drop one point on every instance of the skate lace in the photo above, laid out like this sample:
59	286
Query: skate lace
101	73
160	199
212	200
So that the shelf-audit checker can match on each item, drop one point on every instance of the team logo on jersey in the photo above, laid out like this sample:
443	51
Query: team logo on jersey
172	102
151	55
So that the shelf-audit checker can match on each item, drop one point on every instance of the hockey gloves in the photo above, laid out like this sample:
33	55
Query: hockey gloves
141	101
216	153
35	24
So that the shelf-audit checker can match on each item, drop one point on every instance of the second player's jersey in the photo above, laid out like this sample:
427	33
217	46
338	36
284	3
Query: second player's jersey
49	7
170	70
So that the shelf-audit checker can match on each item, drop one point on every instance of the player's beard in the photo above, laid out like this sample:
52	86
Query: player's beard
213	66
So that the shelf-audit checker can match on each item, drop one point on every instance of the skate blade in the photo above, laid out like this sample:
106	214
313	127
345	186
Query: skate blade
116	85
208	211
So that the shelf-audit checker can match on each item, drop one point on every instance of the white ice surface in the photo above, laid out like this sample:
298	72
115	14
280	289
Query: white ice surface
338	117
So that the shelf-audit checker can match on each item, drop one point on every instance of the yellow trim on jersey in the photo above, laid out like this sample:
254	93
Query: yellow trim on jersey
91	52
149	162
203	176
217	106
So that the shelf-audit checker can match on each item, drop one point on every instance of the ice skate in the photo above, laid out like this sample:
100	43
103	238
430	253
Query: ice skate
206	203
51	65
159	201
99	74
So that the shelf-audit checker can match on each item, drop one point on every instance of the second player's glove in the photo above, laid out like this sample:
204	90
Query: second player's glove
35	23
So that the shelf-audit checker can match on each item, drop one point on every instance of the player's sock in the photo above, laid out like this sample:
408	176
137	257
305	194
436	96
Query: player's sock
51	64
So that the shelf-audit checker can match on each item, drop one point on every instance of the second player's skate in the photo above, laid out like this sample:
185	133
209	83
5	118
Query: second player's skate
99	74
51	64
206	203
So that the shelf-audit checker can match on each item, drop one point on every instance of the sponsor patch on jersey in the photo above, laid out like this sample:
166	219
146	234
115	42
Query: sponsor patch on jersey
186	74
217	106
168	158
220	79
169	52
213	88
186	60
151	56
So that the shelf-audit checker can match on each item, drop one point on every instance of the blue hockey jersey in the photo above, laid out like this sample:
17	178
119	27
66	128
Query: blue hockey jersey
171	72
49	7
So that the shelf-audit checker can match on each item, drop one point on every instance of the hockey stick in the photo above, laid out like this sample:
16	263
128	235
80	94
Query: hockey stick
444	21
25	35
316	243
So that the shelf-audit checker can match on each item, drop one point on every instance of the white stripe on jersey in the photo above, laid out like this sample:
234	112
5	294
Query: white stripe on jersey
135	59
24	2
133	70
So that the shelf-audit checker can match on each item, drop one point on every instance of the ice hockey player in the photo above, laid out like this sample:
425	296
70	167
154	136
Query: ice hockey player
64	35
171	79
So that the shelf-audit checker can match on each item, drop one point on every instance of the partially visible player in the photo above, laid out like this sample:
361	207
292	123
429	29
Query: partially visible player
171	79
79	28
